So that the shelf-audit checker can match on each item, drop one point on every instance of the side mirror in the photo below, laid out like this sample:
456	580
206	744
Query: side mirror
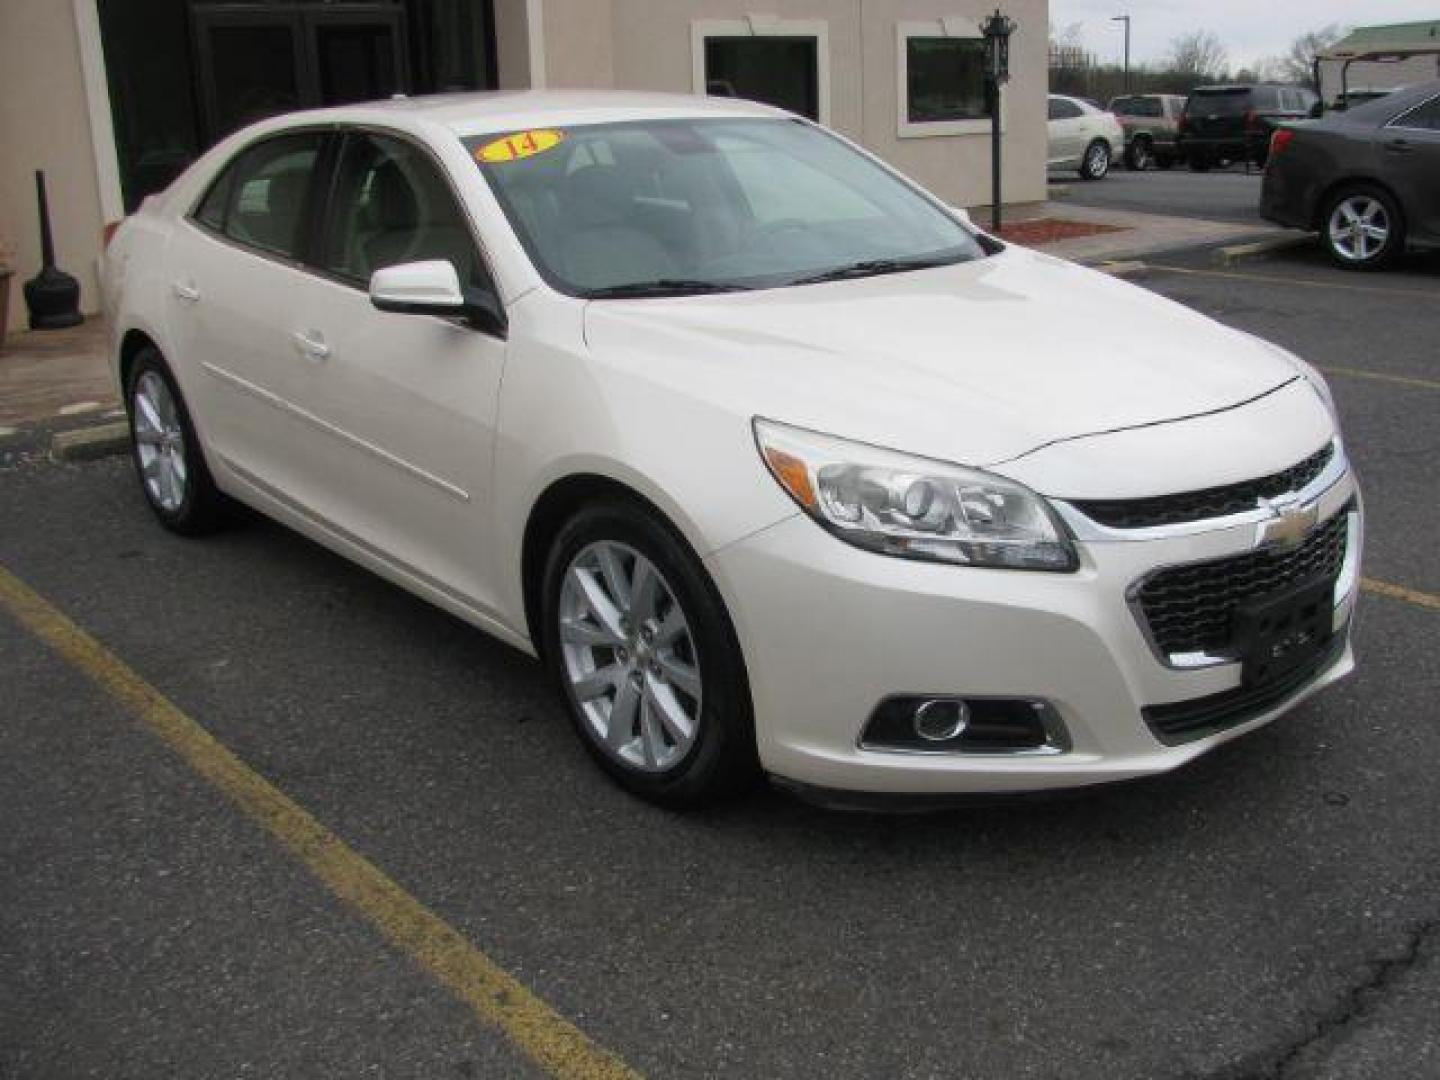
433	288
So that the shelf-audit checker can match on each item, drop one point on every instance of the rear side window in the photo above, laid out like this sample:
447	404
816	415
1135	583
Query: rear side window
259	200
1060	109
1136	106
1427	116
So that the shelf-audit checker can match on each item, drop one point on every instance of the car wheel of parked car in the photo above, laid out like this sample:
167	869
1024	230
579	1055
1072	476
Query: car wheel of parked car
168	460
646	658
1139	155
1096	162
1362	228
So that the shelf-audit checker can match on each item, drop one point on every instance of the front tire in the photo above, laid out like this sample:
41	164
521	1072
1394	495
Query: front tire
166	451
639	644
1362	228
1096	162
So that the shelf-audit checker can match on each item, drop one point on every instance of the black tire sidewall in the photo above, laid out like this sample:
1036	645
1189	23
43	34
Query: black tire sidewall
1394	243
1086	173
723	759
200	507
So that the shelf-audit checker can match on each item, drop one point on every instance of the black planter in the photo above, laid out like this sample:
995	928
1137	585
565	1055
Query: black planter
52	296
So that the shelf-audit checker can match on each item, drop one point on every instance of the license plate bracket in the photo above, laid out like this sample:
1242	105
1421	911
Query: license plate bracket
1284	632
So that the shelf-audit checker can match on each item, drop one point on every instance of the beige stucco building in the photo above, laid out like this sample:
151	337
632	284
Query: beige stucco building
113	97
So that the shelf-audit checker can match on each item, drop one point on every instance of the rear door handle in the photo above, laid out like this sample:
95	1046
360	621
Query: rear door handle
1399	146
311	344
185	291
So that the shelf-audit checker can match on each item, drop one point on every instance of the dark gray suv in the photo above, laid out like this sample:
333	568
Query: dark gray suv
1367	179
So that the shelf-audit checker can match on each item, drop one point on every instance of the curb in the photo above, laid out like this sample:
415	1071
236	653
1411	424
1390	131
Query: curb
90	443
1229	256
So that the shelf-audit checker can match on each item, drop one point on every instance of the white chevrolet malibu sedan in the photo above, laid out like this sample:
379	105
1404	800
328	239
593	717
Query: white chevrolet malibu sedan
778	463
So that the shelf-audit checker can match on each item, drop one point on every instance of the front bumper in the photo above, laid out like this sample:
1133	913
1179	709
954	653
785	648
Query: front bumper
829	631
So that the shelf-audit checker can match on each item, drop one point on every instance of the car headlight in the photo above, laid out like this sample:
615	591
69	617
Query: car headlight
914	507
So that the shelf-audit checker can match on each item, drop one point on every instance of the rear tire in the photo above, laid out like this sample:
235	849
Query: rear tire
632	622
168	459
1096	161
1362	228
1139	155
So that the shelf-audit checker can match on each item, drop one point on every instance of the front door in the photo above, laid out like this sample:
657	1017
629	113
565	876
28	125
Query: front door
399	409
258	60
1410	150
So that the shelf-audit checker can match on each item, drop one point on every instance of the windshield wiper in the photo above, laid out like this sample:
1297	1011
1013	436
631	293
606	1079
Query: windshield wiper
870	267
663	287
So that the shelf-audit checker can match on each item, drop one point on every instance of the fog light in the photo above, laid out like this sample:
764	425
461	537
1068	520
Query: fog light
941	719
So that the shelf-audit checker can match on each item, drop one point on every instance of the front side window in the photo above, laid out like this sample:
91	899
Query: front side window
945	79
391	205
709	204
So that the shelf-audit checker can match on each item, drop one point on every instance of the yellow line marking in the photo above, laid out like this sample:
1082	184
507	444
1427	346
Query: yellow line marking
555	1044
1380	376
1277	280
1400	592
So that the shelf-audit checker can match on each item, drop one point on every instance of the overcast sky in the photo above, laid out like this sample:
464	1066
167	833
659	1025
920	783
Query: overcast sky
1250	29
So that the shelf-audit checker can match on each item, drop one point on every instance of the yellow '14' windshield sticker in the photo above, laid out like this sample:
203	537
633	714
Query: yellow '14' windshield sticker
522	144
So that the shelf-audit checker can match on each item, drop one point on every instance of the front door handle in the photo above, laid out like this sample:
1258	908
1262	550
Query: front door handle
186	292
311	344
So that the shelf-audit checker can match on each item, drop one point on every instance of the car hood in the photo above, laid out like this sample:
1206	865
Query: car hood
978	363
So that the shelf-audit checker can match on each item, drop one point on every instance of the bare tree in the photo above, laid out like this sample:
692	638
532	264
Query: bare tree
1198	55
1298	65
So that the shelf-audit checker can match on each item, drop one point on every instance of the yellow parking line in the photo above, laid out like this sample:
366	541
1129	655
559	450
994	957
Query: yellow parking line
1400	592
1380	376
1275	279
555	1044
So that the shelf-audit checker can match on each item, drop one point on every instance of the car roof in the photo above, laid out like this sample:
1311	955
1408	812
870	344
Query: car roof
480	113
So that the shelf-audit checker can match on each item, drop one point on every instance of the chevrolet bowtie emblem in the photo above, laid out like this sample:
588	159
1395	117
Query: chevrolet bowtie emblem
1290	525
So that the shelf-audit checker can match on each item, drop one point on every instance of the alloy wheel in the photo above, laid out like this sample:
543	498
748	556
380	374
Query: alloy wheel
630	657
1359	228
159	442
1097	161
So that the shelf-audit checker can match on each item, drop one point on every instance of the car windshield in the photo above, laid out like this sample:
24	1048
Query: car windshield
678	206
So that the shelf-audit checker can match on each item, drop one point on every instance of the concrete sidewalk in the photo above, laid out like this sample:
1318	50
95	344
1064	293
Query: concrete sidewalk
53	376
1127	234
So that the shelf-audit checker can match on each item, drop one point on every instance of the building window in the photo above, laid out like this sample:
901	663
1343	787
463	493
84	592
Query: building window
941	78
779	62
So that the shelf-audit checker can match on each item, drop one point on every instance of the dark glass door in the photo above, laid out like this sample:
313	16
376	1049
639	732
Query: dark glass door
257	61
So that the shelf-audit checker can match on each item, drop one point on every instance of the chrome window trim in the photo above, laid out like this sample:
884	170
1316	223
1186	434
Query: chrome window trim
1087	530
1395	121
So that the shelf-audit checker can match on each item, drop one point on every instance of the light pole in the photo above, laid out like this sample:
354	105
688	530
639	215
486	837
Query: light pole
1126	20
996	30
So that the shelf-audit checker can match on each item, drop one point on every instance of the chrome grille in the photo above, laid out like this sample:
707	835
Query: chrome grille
1207	503
1190	608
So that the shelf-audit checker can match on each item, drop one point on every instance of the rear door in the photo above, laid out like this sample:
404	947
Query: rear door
1410	162
232	271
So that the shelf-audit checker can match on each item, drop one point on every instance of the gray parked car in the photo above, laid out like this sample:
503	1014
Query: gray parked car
1367	179
1150	122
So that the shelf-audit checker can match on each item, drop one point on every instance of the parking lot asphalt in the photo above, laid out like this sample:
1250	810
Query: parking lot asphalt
1229	194
1271	910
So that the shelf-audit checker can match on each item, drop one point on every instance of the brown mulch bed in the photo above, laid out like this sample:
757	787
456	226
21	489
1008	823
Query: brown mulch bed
1048	230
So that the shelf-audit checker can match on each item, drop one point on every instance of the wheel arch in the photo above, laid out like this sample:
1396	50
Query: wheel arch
132	343
560	500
